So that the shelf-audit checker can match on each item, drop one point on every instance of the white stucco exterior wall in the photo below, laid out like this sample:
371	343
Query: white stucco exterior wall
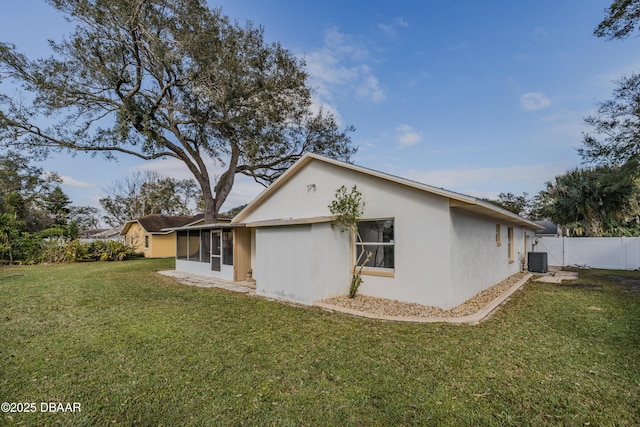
421	231
331	271
421	265
477	262
443	254
303	263
283	263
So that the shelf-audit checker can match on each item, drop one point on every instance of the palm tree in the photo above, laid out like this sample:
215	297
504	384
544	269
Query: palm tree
590	200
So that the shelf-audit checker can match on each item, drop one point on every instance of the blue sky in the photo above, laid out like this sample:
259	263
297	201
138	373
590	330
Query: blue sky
475	97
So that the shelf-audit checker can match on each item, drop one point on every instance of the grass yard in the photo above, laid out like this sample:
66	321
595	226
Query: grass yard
136	348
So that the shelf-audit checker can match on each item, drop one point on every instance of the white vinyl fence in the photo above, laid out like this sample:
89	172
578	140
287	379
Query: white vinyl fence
612	253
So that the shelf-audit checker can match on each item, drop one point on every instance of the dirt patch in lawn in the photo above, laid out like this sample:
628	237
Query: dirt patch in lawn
387	307
628	285
581	286
634	283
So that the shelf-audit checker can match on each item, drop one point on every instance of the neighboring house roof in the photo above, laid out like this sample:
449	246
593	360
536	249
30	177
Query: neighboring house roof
156	224
549	228
223	221
223	224
87	234
456	200
100	233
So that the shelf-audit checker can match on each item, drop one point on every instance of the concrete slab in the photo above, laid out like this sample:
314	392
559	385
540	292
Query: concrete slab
557	277
210	282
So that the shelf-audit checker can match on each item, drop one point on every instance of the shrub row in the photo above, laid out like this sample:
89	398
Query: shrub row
63	251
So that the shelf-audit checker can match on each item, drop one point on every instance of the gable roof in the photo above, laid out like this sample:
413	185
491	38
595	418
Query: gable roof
154	224
456	200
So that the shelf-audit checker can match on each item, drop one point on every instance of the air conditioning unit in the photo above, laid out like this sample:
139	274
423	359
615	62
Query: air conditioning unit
537	262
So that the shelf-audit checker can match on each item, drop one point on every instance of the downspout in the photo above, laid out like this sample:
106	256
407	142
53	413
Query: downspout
523	260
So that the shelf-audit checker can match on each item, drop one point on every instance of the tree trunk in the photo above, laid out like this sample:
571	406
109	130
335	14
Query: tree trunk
222	189
210	210
592	227
225	182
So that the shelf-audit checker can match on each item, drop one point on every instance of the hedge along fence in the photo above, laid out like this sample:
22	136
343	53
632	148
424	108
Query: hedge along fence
611	253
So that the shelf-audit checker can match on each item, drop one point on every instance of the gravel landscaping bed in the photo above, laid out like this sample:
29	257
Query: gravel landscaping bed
387	307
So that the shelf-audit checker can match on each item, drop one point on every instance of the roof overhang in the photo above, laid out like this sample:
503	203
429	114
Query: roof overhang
205	226
487	209
291	221
456	200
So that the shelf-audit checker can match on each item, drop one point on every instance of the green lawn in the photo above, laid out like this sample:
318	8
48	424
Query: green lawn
136	348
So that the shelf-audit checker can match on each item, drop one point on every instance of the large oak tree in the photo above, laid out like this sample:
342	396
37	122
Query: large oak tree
168	78
615	135
615	127
621	19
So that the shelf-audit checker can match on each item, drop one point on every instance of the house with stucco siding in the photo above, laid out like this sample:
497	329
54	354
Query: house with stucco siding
148	234
431	246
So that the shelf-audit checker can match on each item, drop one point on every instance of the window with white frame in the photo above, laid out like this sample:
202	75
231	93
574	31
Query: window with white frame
378	238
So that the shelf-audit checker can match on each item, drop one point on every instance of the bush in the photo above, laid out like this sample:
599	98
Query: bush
56	251
110	250
27	249
76	251
31	248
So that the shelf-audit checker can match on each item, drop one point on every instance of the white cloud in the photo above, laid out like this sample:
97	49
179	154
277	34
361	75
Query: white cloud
532	101
71	182
541	32
340	64
391	29
407	136
401	23
458	46
489	182
369	87
387	28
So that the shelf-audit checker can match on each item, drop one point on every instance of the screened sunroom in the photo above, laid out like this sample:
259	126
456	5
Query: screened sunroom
217	250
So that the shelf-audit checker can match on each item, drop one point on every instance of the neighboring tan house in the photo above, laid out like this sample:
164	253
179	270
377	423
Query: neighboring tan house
148	236
431	246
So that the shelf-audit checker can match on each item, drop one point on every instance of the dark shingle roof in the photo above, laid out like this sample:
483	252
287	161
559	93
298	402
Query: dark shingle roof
549	228
155	223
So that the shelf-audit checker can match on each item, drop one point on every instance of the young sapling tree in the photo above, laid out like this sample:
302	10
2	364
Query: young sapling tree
348	207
